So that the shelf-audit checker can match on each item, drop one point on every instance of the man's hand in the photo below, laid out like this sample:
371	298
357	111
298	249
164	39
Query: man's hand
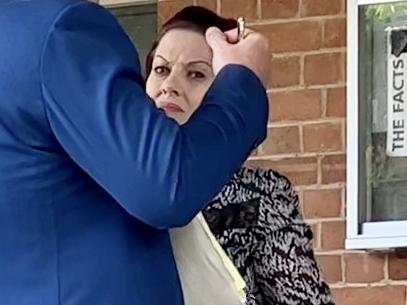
251	52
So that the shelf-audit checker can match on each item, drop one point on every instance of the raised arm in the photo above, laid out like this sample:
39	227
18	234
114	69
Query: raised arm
159	172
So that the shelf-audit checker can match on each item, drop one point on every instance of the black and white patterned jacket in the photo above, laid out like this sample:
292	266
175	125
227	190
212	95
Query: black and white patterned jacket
257	220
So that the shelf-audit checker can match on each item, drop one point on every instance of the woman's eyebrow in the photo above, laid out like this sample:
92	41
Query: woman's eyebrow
162	57
193	62
199	62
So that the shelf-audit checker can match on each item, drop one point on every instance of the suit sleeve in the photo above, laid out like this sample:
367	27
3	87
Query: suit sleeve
161	173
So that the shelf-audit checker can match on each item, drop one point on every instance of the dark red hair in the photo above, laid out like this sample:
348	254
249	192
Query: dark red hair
192	18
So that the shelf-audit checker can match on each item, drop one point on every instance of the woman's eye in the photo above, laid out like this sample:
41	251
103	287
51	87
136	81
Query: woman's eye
161	70
196	75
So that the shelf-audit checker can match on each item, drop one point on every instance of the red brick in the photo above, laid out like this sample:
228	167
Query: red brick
210	4
322	137
320	69
279	8
285	72
364	268
301	171
333	235
333	169
282	140
334	33
295	105
292	36
331	267
398	266
166	9
315	233
336	102
322	203
388	295
320	7
236	8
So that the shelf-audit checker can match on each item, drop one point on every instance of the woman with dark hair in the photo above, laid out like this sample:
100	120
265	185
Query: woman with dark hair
256	216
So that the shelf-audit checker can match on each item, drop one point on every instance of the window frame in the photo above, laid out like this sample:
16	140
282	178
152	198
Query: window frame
124	3
362	235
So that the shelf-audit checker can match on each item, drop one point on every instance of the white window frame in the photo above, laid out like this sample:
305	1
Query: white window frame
369	235
123	3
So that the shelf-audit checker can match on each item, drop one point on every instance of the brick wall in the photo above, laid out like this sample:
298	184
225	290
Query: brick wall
307	134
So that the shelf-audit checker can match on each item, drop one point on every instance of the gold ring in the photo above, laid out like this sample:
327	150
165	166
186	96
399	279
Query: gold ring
241	28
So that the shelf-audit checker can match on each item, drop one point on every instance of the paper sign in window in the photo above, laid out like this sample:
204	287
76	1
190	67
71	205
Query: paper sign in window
396	144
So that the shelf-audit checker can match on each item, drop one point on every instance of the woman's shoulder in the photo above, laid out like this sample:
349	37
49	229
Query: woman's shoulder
267	183
271	191
264	180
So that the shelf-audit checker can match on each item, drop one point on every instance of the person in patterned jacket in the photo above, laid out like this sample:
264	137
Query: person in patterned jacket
256	216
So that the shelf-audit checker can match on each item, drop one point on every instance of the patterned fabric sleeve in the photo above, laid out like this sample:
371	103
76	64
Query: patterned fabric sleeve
285	268
257	220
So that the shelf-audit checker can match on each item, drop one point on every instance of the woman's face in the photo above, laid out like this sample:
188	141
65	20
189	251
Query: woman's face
181	73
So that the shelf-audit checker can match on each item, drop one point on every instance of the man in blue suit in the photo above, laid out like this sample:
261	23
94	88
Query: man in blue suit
91	175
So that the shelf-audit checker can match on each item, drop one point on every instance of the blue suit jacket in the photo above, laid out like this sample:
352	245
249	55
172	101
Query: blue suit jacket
91	175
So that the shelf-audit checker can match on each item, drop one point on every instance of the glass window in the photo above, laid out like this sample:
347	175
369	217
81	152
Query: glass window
140	23
377	124
383	109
